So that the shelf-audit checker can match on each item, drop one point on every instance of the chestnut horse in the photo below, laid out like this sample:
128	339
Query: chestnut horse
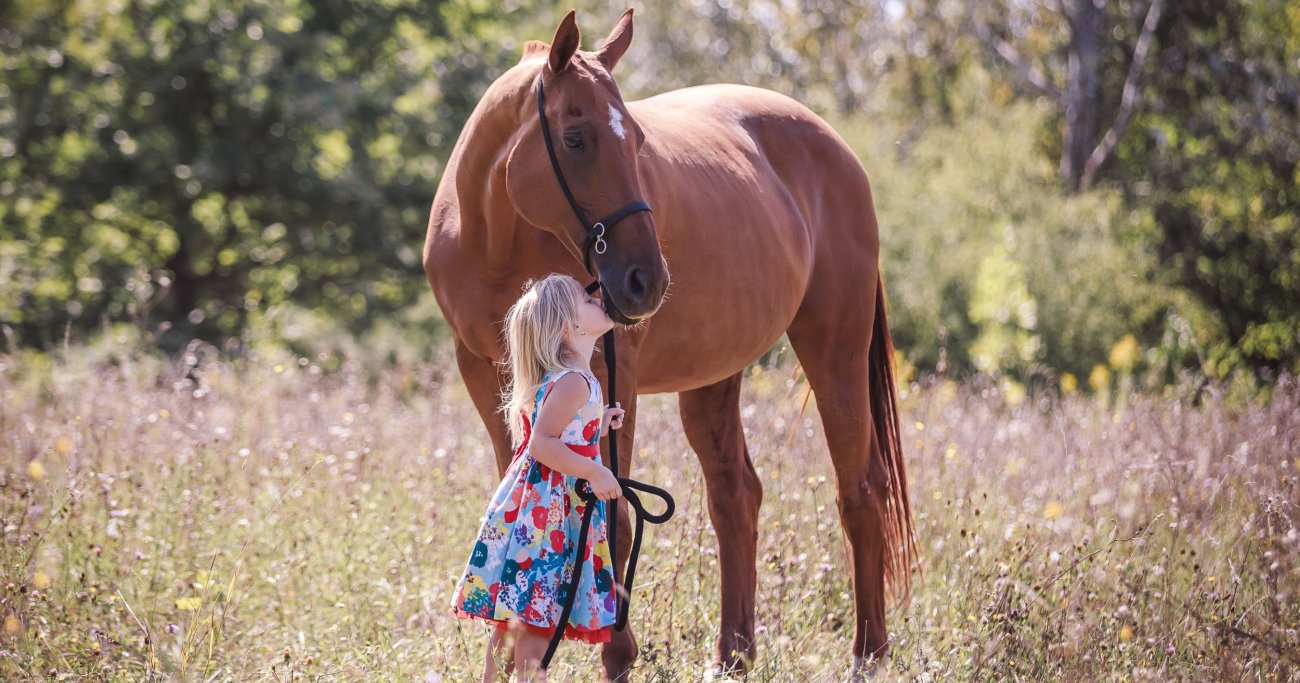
766	220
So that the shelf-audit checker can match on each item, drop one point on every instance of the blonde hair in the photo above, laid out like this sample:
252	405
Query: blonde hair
536	329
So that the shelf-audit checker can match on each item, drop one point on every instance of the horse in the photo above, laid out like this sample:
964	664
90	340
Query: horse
764	218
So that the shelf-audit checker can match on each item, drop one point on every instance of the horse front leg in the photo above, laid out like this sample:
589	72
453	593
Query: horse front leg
621	651
484	382
711	419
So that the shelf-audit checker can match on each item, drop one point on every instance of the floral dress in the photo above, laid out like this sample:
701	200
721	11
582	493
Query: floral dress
522	561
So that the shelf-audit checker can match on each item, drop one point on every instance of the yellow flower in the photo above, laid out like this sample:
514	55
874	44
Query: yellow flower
1013	392
41	580
1052	510
190	604
12	626
63	445
277	369
1069	383
1126	633
951	452
1124	355
35	470
1099	378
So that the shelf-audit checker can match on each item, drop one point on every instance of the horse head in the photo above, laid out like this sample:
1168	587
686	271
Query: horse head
595	143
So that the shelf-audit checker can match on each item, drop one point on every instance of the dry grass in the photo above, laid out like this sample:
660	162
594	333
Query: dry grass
270	520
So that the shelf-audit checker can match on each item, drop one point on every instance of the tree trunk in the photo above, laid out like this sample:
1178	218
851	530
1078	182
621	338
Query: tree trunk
1081	102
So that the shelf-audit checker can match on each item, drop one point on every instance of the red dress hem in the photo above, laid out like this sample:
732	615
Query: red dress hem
590	636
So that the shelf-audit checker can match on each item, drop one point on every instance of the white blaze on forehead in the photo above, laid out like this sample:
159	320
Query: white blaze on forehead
616	122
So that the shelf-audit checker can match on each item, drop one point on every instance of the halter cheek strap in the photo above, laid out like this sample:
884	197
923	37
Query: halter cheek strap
597	231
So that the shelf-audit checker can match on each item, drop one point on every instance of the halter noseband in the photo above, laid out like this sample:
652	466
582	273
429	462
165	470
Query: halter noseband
595	231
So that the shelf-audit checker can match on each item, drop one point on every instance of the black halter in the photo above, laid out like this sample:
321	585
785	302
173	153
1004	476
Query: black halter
595	231
596	240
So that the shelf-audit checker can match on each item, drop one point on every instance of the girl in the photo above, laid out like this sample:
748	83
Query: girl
525	551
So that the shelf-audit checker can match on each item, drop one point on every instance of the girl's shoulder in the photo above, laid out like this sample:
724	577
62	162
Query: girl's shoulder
553	376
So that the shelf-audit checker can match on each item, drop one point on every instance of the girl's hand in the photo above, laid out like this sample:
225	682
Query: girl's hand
604	485
613	418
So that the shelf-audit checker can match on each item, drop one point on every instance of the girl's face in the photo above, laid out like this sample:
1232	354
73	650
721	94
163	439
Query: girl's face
591	317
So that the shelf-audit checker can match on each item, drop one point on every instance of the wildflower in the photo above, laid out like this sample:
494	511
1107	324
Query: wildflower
1069	383
12	626
63	445
1126	633
1052	510
1099	378
35	470
41	580
1124	355
1013	392
190	604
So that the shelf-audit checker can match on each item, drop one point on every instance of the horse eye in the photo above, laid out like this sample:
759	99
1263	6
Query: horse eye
573	140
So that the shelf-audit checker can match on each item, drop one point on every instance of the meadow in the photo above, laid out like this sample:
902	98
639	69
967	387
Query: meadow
280	518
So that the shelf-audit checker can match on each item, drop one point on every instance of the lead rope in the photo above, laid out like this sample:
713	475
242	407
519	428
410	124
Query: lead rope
630	487
596	233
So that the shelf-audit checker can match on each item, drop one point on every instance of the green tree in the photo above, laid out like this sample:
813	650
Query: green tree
1202	99
1216	158
193	164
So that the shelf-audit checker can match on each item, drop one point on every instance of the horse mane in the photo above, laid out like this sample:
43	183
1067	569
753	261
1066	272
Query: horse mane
534	48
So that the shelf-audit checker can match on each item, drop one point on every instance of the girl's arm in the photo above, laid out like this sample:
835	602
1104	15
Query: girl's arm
567	396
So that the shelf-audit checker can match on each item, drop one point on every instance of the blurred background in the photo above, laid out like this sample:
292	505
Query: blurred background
1080	195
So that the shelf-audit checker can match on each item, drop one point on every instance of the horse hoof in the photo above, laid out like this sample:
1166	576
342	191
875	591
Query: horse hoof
863	670
714	673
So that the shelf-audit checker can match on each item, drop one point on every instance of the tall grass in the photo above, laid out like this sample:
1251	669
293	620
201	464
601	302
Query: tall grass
269	520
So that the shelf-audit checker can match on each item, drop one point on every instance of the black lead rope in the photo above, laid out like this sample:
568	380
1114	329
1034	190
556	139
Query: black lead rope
596	233
630	487
610	362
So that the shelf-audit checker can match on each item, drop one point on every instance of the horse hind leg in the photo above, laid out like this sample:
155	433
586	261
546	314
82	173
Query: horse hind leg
711	419
842	343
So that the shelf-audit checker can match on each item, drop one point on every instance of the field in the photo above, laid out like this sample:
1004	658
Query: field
301	519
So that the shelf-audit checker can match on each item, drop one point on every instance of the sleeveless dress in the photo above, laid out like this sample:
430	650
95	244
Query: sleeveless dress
522	561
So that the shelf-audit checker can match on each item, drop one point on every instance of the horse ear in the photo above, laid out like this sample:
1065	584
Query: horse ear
616	43
533	48
566	42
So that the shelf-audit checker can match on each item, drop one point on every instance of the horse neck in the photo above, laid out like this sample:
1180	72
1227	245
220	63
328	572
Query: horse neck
489	224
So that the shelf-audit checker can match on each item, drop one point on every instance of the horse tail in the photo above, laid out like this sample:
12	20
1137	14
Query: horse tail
899	533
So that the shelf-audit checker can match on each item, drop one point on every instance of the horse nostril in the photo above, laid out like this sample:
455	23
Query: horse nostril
635	286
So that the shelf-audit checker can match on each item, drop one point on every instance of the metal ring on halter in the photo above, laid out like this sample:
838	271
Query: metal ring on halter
601	245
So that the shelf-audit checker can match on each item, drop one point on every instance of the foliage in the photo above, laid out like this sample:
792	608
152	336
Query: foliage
1216	160
988	267
218	170
196	166
1212	157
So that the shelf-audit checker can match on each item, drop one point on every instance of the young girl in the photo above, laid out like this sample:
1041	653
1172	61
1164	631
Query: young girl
525	551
